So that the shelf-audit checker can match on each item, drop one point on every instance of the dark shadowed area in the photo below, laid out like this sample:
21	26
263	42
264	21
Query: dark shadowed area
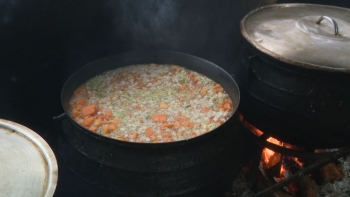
43	42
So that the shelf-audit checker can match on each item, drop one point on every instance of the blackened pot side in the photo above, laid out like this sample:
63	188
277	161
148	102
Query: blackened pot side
301	106
202	166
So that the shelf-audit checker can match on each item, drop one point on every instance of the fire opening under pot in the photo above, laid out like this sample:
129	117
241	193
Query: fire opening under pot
283	169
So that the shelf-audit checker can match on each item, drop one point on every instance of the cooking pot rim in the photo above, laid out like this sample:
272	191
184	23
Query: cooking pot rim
151	145
292	61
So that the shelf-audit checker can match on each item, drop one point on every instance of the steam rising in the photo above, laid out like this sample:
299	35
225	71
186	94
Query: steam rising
146	21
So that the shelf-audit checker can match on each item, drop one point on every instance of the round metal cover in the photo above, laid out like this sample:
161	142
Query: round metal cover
296	34
28	166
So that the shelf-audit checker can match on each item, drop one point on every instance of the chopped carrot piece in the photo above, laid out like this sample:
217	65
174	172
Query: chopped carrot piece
191	125
204	91
149	132
184	118
105	128
88	121
169	126
163	106
106	134
82	102
133	135
177	124
122	138
185	123
167	137
142	121
102	117
89	110
111	127
159	118
97	122
116	122
177	119
79	107
206	109
227	106
154	138
181	133
108	113
193	134
93	128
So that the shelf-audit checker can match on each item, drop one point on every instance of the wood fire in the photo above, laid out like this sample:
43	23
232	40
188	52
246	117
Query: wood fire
276	167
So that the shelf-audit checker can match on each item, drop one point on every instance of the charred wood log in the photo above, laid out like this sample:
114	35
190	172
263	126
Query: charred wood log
306	187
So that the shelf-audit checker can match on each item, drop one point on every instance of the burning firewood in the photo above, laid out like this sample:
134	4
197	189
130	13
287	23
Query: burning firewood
330	172
306	187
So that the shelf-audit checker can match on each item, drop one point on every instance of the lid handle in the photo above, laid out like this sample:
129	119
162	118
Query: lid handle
336	32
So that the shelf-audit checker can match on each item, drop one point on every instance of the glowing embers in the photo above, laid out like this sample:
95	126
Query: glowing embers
300	172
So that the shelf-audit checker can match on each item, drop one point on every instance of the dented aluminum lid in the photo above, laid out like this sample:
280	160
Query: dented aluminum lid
28	166
306	35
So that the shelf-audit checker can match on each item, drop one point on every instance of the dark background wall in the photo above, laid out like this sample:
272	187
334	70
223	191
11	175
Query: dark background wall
42	42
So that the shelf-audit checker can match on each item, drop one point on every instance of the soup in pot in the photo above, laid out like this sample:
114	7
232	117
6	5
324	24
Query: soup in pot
150	103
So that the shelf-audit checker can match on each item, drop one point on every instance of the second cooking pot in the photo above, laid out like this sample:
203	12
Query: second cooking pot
295	73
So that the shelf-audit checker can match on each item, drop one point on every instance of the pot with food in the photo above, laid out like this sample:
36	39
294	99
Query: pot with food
152	123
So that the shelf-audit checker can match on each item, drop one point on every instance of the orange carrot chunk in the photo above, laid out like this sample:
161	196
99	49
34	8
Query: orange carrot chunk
105	128
82	102
111	127
159	118
89	110
108	113
163	106
149	132
93	128
169	126
88	121
185	123
97	123
181	133
177	125
122	138
206	109
116	122
133	135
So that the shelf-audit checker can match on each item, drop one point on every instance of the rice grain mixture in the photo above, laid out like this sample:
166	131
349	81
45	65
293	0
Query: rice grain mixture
150	103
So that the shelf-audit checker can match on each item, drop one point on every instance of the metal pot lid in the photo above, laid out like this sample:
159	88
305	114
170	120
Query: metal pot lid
306	35
28	166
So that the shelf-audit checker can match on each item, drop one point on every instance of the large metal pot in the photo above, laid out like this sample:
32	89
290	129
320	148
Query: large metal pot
201	166
295	73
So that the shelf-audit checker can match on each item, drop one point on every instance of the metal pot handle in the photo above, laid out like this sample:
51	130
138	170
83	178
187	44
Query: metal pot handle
58	120
336	30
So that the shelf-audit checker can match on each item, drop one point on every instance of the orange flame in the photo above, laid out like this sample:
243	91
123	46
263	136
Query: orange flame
267	153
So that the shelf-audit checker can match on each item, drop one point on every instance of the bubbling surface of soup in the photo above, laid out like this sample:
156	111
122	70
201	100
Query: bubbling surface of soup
150	103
